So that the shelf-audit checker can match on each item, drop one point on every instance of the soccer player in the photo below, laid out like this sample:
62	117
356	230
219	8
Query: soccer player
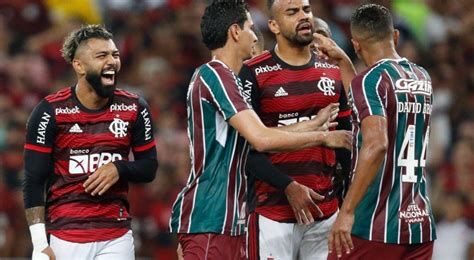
386	213
290	84
209	214
77	148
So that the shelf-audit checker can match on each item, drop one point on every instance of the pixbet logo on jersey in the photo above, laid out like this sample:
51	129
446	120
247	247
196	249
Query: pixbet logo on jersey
88	163
267	68
67	110
123	107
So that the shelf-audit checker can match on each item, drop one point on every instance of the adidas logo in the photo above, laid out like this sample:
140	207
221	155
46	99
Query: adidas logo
281	92
75	129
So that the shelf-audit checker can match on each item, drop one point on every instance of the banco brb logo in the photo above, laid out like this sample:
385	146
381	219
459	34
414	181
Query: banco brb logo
119	128
88	163
326	85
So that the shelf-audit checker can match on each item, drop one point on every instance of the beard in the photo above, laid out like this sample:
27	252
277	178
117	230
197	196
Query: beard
95	80
298	39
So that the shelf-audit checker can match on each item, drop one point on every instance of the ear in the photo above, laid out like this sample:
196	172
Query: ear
356	46
396	37
234	32
273	26
78	67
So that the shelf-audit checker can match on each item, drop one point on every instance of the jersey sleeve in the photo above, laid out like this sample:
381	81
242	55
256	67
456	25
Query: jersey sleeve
143	138
344	108
367	92
38	162
250	86
225	89
41	129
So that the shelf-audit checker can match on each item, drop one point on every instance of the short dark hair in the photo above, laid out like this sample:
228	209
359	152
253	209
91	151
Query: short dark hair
217	19
270	4
372	20
86	32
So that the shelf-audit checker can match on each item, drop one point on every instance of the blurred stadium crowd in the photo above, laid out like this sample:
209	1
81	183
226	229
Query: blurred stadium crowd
159	42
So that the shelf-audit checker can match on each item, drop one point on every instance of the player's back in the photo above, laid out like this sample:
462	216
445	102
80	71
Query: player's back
396	208
212	200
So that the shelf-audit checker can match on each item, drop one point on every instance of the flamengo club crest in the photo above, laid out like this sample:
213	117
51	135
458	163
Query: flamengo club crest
119	128
326	85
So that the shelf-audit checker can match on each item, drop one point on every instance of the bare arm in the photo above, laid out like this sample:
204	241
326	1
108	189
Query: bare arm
263	138
371	155
34	215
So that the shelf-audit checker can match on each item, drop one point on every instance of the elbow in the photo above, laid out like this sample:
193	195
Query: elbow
379	148
261	145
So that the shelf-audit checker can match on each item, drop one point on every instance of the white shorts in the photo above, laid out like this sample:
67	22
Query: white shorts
121	248
289	241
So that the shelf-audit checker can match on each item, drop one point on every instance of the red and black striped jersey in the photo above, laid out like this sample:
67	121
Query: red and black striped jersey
282	94
79	141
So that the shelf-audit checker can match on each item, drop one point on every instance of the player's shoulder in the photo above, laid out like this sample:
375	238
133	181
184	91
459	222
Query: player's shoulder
215	71
370	75
420	68
125	94
259	59
59	96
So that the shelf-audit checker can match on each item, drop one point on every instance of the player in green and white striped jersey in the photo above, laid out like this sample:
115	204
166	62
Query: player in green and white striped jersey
386	213
209	213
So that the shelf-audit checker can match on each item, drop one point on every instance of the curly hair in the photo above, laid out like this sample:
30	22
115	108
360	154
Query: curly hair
86	32
217	19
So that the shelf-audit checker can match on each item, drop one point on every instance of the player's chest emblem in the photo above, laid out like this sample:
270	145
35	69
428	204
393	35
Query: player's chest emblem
119	128
326	85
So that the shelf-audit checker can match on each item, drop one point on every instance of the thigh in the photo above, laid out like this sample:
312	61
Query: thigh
65	250
209	246
121	248
269	239
314	244
420	251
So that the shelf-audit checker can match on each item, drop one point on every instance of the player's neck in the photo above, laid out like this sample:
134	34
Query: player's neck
229	58
293	55
87	96
377	53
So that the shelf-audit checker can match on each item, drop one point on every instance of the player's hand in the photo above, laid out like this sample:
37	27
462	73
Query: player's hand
340	236
338	139
301	199
102	179
45	254
327	49
326	116
179	252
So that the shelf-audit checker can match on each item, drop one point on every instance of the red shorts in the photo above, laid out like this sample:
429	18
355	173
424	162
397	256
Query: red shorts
210	246
365	249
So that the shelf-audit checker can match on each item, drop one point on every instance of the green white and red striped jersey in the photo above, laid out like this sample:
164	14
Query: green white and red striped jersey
213	199
396	208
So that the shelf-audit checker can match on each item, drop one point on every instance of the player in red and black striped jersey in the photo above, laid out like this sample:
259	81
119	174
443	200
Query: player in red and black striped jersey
287	85
77	149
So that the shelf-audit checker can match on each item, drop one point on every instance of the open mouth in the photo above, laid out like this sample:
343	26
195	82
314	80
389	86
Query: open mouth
108	77
304	28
